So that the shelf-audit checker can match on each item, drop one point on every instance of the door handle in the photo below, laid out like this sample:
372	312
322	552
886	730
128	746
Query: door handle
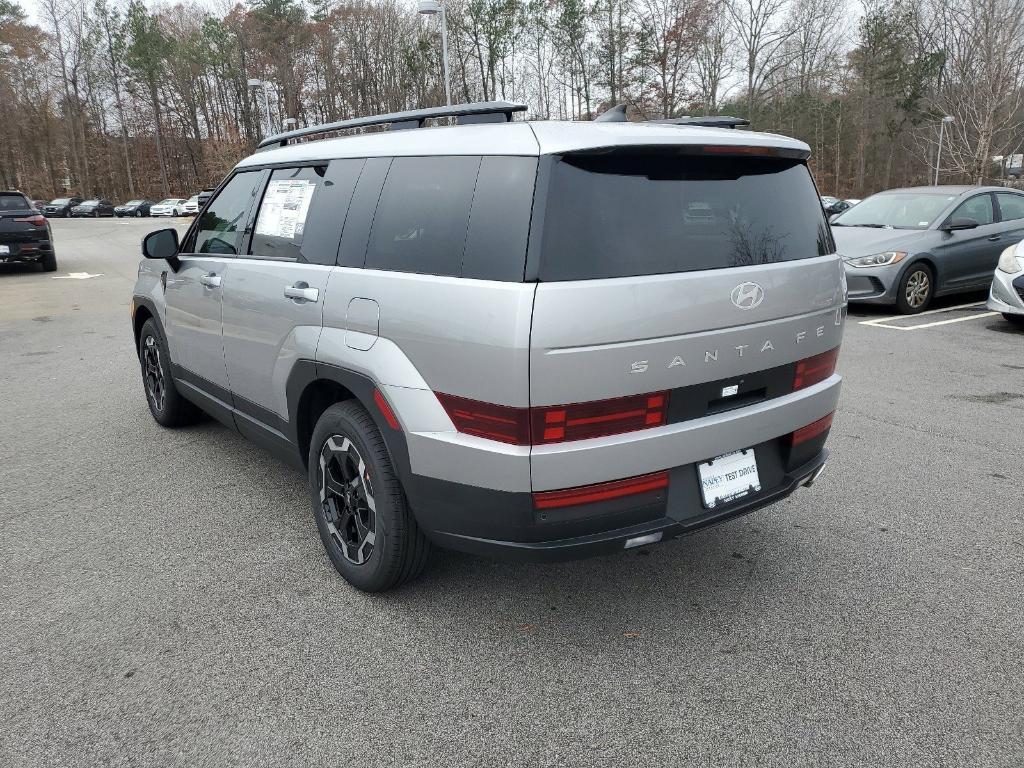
301	292
994	238
211	280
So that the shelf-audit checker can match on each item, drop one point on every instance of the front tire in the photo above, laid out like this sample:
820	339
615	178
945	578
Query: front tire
166	404
138	214
365	523
916	289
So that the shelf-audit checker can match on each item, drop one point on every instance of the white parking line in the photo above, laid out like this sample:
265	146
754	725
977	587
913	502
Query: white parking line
880	322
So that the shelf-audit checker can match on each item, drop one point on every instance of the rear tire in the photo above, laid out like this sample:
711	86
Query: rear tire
365	523
49	262
1017	320
166	404
916	289
138	214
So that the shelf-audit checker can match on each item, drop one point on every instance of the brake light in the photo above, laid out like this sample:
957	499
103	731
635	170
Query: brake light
589	494
555	424
813	429
494	422
811	370
37	220
727	149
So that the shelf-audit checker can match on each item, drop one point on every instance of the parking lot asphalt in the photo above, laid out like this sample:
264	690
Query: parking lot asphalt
165	600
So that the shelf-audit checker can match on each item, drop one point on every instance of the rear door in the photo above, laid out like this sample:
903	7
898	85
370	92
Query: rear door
660	271
194	291
1011	217
274	293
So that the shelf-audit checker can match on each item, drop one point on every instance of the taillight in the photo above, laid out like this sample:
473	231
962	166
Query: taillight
495	422
556	424
811	370
39	221
813	429
589	494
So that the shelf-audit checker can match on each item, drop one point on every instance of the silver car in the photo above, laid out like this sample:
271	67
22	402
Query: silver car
536	340
1007	292
907	246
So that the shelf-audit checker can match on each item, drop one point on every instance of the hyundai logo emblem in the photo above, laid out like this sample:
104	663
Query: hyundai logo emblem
747	295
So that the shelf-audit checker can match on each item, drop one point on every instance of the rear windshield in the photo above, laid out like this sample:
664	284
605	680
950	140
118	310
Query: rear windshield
14	203
622	214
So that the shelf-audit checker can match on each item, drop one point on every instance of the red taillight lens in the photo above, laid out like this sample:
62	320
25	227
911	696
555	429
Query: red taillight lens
588	494
495	422
39	221
555	424
812	430
811	370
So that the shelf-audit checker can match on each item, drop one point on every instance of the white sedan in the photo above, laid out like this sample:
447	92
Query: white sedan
1007	292
172	206
192	206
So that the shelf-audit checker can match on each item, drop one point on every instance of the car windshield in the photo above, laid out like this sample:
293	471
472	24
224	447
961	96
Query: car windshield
194	199
896	210
168	201
91	202
61	201
13	203
134	202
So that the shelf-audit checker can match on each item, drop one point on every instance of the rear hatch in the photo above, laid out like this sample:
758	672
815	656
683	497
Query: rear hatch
18	220
659	270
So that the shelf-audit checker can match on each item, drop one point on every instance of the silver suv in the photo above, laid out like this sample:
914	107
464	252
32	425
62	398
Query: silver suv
540	340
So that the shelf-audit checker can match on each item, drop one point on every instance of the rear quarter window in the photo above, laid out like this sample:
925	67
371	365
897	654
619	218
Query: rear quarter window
631	213
11	202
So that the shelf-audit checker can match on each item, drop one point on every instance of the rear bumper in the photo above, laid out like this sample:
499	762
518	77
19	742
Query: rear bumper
22	249
506	526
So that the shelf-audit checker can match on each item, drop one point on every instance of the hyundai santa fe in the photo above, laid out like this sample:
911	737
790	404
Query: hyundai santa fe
536	340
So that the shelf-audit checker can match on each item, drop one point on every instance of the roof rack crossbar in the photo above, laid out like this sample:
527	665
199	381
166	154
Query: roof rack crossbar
481	111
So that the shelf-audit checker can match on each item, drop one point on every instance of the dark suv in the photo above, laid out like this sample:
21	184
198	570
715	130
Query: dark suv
24	232
61	207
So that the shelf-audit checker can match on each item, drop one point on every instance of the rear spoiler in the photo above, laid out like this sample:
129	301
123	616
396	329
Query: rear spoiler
617	114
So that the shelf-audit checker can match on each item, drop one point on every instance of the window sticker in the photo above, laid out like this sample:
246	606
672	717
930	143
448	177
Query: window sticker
284	209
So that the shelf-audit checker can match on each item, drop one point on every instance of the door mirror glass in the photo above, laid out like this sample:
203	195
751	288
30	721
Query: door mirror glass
960	223
162	244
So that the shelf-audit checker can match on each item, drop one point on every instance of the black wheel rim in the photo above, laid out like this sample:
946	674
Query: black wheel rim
346	497
153	373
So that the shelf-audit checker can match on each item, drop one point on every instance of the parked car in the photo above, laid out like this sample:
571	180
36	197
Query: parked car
24	232
1007	292
834	205
172	206
453	363
191	207
851	201
205	195
136	208
38	205
907	246
60	207
93	208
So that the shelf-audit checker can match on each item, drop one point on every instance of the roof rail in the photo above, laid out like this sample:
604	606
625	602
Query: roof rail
721	121
478	112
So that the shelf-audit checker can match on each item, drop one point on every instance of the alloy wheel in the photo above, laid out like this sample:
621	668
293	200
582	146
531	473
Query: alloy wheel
919	285
346	497
153	373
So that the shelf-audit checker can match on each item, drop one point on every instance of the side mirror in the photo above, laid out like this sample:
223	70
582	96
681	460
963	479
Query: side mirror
954	224
162	244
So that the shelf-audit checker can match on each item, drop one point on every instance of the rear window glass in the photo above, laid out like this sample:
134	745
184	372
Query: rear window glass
624	214
14	203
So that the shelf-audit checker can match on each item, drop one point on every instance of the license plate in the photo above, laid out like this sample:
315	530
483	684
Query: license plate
728	477
5	250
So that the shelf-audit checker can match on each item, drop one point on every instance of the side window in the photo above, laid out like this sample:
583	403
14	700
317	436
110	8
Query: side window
1011	206
222	224
423	215
978	208
303	211
499	222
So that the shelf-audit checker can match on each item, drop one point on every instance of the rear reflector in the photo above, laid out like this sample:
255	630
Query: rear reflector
813	430
600	418
589	494
811	370
385	408
556	423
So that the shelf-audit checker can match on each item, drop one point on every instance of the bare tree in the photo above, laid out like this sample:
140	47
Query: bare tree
763	34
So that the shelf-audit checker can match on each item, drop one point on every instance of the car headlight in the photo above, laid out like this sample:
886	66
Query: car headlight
883	259
1010	262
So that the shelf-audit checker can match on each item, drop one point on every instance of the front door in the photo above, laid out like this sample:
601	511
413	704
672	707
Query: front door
968	256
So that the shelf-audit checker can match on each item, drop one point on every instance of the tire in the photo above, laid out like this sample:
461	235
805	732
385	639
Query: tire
49	262
1017	320
166	404
95	214
916	289
365	523
138	214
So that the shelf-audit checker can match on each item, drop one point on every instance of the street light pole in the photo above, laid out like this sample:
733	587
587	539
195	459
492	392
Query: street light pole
938	155
262	85
430	8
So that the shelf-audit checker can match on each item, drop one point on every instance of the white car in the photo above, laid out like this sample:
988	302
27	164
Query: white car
172	206
1007	292
192	206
